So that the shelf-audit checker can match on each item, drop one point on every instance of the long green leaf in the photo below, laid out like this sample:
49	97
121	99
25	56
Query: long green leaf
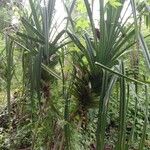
28	26
35	15
121	75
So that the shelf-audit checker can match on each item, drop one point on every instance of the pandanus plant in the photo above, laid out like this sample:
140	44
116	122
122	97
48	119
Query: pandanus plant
114	40
102	54
40	39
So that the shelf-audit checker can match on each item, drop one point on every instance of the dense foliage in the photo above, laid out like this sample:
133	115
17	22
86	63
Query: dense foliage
77	82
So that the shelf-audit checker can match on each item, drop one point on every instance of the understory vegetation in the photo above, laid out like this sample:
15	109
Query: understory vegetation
74	75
